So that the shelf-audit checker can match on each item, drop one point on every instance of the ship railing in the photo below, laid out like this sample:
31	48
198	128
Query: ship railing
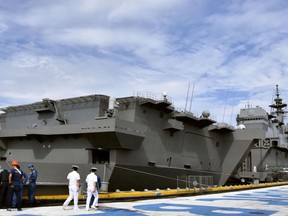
181	110
192	181
277	169
195	114
153	96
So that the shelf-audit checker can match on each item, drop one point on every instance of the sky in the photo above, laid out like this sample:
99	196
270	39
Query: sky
215	55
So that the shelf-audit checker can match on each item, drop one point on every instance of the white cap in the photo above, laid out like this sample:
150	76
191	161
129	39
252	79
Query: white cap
94	168
75	166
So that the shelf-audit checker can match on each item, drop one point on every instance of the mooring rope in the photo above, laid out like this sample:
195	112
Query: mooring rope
166	177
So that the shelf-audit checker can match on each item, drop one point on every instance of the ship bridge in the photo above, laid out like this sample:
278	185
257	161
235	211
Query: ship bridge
253	118
248	115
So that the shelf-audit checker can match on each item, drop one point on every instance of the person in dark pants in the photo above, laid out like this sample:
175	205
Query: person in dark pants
4	188
23	182
32	185
15	178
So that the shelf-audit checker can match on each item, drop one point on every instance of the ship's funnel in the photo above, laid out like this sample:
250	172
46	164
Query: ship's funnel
112	102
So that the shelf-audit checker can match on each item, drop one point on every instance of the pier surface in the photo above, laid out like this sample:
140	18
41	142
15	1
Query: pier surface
262	201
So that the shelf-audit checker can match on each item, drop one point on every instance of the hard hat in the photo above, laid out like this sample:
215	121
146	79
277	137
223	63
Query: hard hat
14	163
30	165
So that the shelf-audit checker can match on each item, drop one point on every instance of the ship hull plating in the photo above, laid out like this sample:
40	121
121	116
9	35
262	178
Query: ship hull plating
138	143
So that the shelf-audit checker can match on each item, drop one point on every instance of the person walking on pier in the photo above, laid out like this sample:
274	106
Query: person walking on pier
32	184
98	186
91	181
74	187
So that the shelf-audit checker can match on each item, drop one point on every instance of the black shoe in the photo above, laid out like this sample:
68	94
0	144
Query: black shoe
9	209
19	209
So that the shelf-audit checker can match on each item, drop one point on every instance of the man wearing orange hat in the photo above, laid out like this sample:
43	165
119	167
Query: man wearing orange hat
15	178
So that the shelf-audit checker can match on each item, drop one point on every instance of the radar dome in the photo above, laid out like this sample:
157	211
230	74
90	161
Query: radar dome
241	126
205	113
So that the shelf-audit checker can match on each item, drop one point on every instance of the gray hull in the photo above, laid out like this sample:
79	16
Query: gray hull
135	142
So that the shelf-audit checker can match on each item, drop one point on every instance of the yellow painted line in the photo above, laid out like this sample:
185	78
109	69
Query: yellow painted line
158	193
52	197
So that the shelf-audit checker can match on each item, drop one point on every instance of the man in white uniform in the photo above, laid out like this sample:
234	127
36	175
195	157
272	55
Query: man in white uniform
91	181
74	186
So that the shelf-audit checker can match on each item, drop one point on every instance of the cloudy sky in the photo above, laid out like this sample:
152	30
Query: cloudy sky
230	52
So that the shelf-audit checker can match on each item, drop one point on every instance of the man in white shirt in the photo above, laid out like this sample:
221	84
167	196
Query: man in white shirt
74	186
91	181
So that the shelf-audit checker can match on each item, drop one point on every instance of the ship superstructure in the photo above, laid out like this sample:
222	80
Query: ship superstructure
269	156
140	142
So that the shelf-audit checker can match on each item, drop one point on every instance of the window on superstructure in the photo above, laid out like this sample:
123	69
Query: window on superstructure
187	166
100	156
274	143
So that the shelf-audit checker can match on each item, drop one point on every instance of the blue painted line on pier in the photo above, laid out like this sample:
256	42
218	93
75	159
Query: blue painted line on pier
114	212
203	210
271	197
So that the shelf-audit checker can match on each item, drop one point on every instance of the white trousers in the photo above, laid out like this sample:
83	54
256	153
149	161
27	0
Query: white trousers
73	194
89	195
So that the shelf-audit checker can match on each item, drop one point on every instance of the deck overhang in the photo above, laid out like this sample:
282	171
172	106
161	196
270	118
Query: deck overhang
101	133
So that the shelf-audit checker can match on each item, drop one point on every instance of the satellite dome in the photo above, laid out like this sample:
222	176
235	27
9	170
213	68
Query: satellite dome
205	113
241	126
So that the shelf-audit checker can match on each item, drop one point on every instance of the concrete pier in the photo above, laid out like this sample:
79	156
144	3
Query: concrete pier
271	201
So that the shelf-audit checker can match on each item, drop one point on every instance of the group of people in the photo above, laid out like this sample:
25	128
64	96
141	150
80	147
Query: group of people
93	182
12	184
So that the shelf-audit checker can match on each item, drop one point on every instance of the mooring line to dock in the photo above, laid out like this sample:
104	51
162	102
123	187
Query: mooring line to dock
146	173
177	179
157	175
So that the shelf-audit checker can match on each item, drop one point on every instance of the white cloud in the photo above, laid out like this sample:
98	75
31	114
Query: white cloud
61	49
3	27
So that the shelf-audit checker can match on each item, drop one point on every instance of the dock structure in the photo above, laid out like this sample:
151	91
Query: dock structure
132	194
232	201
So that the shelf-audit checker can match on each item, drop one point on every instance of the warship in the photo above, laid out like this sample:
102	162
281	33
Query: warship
268	159
140	142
